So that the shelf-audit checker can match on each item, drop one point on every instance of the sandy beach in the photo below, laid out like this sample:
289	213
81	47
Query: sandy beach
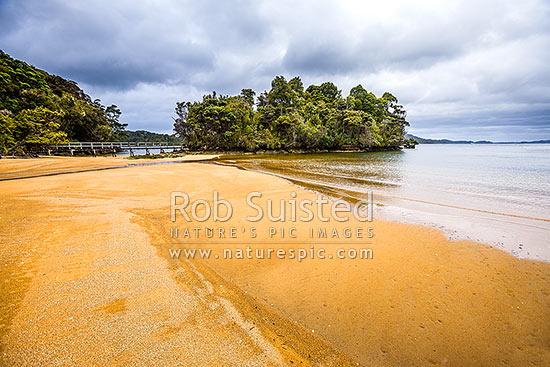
89	278
54	165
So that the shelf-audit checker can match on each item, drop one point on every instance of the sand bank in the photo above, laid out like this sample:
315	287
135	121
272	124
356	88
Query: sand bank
16	168
89	279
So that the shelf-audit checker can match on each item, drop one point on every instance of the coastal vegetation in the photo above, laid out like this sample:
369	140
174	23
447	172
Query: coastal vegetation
147	136
37	109
291	117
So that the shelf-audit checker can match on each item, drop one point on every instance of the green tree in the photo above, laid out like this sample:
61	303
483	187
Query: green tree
248	95
30	129
117	129
25	88
280	93
287	117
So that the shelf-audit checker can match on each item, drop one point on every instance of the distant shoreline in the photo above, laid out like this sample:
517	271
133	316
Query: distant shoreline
449	141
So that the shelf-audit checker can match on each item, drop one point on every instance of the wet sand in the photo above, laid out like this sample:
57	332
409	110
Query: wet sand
18	168
88	279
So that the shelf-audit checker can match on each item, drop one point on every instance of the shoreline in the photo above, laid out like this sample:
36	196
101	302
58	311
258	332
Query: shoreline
435	294
495	231
522	236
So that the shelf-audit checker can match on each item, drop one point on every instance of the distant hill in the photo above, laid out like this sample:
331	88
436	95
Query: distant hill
447	141
444	141
147	136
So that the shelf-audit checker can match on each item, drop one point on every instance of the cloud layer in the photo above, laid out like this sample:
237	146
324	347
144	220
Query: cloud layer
463	69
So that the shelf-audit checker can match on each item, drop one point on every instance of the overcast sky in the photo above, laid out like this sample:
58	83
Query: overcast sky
463	69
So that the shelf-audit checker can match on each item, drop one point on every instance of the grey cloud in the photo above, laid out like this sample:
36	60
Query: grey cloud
318	57
97	46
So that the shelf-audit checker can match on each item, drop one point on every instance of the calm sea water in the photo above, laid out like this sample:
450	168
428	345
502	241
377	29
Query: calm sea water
503	183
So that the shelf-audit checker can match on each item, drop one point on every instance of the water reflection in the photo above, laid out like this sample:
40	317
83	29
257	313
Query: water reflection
361	171
514	178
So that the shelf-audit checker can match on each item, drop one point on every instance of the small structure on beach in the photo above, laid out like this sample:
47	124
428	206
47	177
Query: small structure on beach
95	148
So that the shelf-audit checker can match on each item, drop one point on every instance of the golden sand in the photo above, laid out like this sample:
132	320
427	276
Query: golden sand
87	279
23	168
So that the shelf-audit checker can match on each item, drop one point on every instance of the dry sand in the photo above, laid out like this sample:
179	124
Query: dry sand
87	280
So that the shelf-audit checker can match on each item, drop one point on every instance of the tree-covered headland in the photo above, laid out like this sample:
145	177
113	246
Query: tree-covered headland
37	109
291	117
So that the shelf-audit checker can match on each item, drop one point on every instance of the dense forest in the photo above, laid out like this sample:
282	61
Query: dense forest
37	108
147	136
289	117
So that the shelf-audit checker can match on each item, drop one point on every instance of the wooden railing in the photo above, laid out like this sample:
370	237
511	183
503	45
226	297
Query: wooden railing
100	147
90	145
